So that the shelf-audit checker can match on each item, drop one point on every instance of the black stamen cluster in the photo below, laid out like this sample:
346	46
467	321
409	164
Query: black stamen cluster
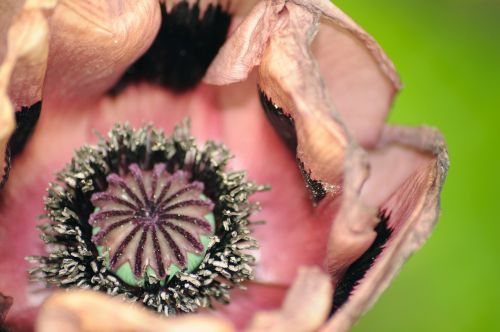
182	51
357	270
26	120
73	259
284	125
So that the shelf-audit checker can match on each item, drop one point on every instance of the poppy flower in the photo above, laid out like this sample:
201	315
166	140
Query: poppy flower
295	89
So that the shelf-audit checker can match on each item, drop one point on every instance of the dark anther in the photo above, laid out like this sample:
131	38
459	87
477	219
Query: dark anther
316	188
186	44
282	123
285	127
358	269
26	120
6	169
167	226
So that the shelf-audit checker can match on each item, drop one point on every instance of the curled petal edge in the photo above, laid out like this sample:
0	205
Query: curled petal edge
242	50
23	69
289	76
415	207
275	25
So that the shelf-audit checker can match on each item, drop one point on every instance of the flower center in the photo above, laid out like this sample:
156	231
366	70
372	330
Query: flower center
155	219
151	219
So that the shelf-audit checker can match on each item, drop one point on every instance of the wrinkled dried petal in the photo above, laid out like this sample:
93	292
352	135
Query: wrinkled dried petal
23	67
359	75
8	8
5	304
356	71
243	50
413	207
361	83
290	77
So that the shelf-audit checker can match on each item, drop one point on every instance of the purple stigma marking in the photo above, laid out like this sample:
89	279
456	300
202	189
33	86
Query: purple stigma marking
150	218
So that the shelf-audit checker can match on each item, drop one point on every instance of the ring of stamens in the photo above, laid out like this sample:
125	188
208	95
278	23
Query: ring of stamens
145	199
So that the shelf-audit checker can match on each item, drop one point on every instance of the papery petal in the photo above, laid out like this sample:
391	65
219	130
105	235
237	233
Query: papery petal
8	9
91	311
291	220
233	116
276	36
290	77
93	43
356	71
24	65
243	50
359	75
305	307
413	206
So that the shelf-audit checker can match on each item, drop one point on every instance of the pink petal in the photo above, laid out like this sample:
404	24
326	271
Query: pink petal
413	206
359	75
276	36
245	303
231	115
290	77
25	52
291	220
92	43
243	49
305	308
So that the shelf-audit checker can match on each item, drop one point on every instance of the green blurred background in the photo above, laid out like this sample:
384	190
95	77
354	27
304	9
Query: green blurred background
448	55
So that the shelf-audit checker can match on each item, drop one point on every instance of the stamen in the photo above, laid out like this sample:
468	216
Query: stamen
186	44
357	270
138	216
26	120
